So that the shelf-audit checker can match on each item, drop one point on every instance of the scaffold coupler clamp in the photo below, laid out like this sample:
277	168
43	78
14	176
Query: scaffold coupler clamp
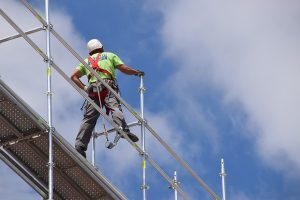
45	26
172	186
142	89
145	187
50	164
47	59
144	154
223	174
51	129
144	122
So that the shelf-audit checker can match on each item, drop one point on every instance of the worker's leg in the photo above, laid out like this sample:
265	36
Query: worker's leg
86	128
114	106
112	103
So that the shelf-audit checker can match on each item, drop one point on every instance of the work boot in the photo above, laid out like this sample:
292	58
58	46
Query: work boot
81	151
132	136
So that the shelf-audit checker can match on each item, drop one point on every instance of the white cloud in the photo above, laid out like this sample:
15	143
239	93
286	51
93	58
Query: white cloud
249	50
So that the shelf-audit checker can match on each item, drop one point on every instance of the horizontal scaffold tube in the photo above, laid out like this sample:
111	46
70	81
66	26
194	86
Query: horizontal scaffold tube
19	35
97	134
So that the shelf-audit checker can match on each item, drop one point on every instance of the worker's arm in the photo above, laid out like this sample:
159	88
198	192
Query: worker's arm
129	71
75	77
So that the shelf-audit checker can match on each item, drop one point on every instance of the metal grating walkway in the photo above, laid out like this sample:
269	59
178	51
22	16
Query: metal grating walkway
24	148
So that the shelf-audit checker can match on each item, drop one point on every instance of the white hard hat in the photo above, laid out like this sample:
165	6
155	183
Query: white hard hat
94	44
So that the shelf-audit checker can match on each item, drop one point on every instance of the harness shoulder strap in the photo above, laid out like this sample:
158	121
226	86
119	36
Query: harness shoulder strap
94	63
97	66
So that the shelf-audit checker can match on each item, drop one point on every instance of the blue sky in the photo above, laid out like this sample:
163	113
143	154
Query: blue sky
221	78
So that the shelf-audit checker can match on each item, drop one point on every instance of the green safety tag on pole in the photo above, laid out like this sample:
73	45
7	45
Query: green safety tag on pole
40	51
49	71
144	164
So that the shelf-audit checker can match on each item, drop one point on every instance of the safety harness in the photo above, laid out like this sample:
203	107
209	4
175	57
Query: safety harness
97	66
100	94
93	93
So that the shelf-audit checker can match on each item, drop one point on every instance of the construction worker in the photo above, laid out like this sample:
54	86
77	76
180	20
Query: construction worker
105	64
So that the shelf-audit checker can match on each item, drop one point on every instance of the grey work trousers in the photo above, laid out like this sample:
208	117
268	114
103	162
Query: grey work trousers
91	116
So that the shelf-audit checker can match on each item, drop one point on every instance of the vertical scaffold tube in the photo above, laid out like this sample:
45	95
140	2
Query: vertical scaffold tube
144	185
93	149
223	174
49	100
175	182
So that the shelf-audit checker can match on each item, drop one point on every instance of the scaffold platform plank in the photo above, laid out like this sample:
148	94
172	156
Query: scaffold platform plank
24	148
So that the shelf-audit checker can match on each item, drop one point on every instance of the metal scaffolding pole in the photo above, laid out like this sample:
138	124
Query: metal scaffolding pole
94	149
175	182
49	100
144	155
19	35
223	175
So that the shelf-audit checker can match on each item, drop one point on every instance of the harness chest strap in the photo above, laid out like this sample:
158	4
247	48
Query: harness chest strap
97	66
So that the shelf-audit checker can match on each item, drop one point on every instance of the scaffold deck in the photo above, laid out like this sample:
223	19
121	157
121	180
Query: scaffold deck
24	148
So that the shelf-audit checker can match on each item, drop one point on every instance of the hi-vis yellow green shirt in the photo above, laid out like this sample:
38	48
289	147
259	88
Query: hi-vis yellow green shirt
107	61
